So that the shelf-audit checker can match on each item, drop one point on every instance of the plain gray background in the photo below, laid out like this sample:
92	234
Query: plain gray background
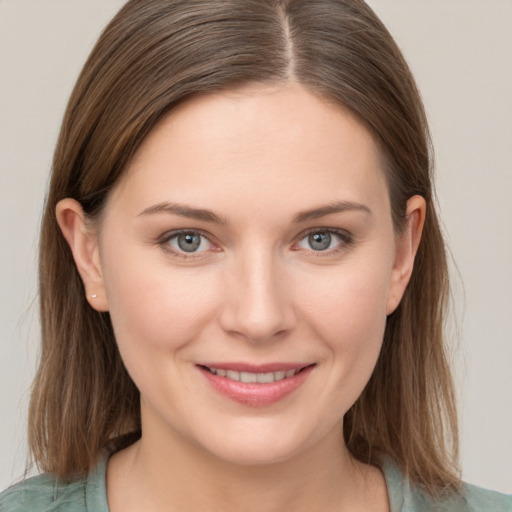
461	54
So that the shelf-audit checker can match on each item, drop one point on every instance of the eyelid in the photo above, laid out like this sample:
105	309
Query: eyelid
346	237
164	239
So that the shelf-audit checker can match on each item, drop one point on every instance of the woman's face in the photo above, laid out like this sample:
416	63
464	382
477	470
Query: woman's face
251	240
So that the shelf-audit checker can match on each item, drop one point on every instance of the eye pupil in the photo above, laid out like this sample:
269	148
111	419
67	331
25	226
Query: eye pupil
189	242
320	241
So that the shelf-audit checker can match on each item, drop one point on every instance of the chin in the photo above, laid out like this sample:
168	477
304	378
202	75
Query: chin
254	454
259	444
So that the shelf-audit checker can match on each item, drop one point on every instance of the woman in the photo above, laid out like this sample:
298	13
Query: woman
242	275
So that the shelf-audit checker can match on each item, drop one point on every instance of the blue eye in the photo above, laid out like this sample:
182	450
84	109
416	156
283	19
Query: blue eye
189	242
324	240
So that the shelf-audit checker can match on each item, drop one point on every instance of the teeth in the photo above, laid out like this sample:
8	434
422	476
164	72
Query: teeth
266	378
248	377
282	375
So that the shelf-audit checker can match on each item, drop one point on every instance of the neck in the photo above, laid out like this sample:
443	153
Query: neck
178	475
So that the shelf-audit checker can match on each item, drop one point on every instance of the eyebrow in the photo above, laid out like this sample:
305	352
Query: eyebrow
184	211
335	207
208	216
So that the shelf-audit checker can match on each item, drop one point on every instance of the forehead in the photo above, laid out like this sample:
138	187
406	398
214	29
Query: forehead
256	143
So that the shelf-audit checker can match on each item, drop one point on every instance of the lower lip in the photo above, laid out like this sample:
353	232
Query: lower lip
256	394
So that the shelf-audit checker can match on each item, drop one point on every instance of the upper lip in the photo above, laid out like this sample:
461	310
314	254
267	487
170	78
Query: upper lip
255	368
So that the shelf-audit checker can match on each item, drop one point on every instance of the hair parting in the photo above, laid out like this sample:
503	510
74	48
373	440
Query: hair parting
156	54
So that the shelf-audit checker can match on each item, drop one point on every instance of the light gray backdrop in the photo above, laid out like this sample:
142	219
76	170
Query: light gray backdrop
461	54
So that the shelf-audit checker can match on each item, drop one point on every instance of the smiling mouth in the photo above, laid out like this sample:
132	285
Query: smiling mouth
254	378
255	385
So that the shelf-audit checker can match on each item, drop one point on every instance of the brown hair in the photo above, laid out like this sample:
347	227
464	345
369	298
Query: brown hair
152	56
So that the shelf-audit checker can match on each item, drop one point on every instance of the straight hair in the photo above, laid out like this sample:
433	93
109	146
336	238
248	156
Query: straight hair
151	57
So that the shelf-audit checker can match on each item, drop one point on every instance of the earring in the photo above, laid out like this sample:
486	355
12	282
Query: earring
93	296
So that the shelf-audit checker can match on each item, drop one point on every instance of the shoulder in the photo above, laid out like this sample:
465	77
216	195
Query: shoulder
48	493
44	493
470	499
479	499
406	497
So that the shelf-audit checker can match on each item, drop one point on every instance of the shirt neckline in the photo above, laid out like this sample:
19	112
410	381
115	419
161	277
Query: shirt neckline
96	486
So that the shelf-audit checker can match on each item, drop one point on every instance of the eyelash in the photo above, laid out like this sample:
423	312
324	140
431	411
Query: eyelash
165	239
346	238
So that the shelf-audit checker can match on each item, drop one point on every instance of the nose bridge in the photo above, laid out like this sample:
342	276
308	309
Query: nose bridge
257	306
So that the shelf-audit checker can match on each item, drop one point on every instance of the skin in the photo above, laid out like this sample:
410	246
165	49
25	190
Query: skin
255	292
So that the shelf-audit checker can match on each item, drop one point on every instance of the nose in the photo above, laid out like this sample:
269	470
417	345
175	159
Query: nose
258	305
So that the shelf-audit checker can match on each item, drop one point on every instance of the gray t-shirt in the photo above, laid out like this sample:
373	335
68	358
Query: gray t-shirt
46	493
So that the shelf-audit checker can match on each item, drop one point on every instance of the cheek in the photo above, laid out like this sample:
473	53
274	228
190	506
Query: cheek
349	304
154	307
348	314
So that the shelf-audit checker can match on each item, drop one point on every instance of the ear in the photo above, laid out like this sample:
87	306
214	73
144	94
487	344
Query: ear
83	243
407	244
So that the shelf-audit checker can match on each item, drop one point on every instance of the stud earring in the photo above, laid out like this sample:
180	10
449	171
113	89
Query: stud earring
93	296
